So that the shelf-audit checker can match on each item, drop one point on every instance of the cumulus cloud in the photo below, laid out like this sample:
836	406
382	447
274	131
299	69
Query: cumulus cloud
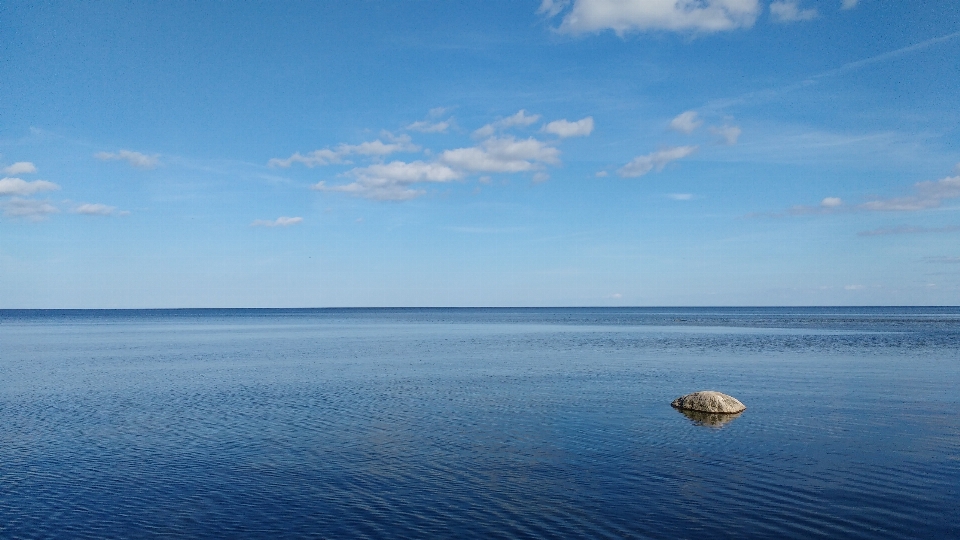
789	11
686	122
729	135
392	181
623	16
327	156
282	221
519	119
502	155
401	180
20	167
849	4
565	128
641	165
929	194
136	159
17	186
30	209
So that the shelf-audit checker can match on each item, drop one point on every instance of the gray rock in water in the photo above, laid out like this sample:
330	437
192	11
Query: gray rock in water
710	402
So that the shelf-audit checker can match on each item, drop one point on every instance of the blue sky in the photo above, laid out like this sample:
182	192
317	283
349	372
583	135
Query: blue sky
427	153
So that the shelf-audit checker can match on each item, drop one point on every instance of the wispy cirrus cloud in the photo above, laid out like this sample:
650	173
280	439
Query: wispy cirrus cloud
328	156
29	209
136	159
433	122
908	229
282	221
99	209
654	161
520	119
564	128
20	167
623	16
426	126
18	186
929	194
942	260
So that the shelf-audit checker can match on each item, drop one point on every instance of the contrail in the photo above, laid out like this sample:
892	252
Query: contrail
845	68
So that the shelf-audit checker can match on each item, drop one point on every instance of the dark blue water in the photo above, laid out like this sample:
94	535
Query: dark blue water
500	423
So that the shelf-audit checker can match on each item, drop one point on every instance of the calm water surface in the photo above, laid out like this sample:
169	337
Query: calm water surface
500	423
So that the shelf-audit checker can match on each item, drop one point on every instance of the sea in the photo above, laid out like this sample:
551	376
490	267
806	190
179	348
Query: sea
479	423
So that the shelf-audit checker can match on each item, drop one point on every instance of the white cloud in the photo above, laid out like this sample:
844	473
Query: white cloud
28	208
831	202
641	165
930	194
623	16
540	176
680	196
564	128
602	174
326	156
849	4
551	8
136	159
686	122
789	11
98	209
425	126
852	287
503	155
282	221
20	167
728	134
392	181
17	186
519	119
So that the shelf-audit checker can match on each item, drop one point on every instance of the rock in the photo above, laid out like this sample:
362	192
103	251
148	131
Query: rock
709	401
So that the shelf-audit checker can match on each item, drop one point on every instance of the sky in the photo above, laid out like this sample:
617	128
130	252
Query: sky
496	153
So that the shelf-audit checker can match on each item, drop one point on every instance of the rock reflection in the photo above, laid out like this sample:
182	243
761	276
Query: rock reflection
712	420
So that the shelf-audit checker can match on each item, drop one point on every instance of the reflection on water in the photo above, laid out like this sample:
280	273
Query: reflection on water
712	420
